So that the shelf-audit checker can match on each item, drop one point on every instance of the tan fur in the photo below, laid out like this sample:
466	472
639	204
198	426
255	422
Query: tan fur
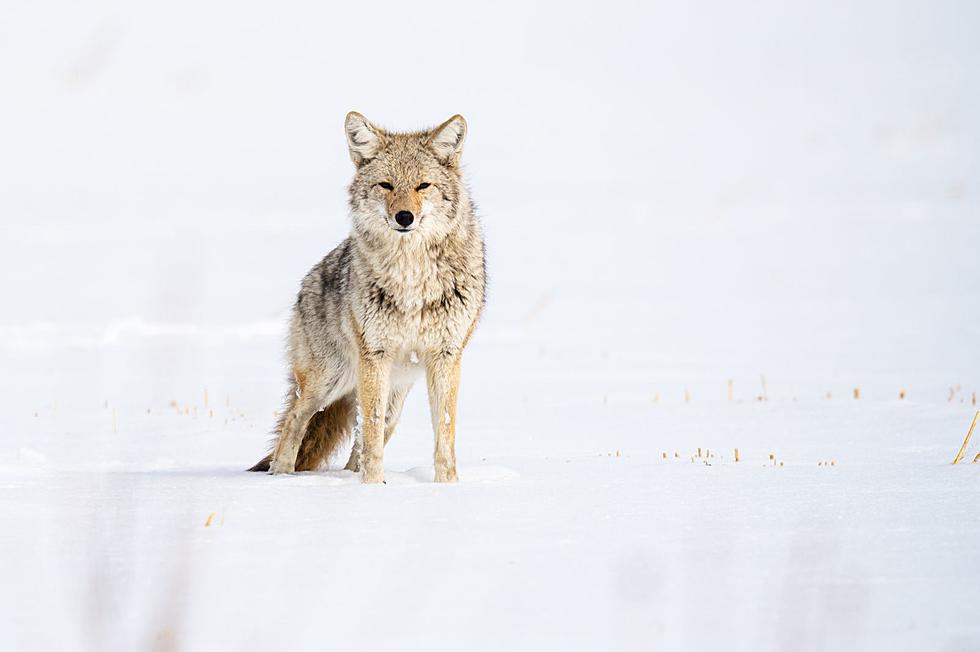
372	395
442	378
405	200
390	302
396	402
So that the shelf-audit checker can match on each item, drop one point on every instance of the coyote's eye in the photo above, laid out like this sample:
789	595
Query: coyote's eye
386	185
423	185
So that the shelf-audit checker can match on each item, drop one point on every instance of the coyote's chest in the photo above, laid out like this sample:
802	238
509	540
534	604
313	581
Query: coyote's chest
419	303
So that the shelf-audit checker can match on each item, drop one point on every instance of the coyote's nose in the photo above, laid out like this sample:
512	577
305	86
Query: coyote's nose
404	218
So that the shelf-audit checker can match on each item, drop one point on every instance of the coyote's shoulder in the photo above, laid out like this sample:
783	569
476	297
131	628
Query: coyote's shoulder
400	296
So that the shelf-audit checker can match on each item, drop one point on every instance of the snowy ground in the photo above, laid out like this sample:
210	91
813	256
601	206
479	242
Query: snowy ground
568	527
675	196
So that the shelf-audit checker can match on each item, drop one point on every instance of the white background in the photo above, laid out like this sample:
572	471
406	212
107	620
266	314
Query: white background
674	195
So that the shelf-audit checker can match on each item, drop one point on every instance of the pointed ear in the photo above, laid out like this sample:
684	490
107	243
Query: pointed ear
364	140
446	140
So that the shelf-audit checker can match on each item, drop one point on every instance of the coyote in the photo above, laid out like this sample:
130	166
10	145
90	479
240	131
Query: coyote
401	294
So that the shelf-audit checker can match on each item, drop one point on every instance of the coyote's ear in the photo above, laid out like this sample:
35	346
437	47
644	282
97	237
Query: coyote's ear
446	140
364	140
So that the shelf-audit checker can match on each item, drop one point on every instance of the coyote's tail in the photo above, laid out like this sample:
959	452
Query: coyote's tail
262	465
324	433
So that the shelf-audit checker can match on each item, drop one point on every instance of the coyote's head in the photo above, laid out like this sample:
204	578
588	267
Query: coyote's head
406	185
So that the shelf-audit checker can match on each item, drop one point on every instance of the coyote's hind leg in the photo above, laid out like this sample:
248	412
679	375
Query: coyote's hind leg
293	427
307	403
325	432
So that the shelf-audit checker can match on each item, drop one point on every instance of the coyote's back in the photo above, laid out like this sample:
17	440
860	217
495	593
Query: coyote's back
400	296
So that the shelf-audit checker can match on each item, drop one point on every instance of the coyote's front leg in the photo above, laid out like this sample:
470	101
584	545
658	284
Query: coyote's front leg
372	391
396	402
442	377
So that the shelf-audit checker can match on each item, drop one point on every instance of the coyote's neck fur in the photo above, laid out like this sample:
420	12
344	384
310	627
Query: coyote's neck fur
420	269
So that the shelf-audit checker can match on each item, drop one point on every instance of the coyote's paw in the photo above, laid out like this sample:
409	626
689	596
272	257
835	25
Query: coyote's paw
277	467
374	477
353	465
446	475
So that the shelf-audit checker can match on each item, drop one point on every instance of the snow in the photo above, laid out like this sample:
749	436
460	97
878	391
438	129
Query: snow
678	199
568	528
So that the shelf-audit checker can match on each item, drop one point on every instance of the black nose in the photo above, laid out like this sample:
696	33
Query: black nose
404	218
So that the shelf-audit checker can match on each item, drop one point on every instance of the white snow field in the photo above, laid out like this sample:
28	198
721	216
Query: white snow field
675	195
